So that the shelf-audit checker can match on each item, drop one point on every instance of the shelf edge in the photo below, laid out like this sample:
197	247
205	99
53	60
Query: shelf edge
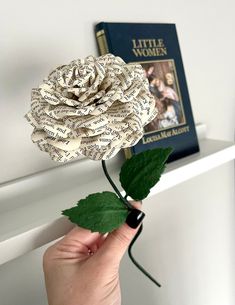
40	235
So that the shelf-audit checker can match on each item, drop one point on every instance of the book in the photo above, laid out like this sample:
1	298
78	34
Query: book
156	47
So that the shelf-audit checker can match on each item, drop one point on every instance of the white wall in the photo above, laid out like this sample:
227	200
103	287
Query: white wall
36	36
187	244
189	234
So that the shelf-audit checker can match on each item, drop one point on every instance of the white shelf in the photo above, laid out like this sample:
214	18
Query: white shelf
30	208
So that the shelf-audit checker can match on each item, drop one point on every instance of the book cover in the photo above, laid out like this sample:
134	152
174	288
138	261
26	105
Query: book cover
156	48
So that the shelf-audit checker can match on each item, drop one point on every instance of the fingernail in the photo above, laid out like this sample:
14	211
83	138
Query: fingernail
134	218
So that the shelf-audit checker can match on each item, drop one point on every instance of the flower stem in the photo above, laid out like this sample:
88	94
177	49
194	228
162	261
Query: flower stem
130	207
135	262
124	200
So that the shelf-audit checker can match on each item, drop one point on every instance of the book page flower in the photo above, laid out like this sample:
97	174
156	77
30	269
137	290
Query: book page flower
95	107
92	107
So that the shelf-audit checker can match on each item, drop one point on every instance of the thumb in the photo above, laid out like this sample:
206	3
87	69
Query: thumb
118	241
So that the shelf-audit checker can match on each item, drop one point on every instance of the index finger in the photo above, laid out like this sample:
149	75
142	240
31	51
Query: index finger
83	236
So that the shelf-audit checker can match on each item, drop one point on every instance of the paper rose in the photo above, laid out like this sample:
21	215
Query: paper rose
91	107
94	107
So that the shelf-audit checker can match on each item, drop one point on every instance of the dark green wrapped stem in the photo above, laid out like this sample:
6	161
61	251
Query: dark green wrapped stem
135	262
124	200
130	207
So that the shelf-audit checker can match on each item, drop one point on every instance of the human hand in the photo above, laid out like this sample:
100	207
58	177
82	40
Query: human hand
83	267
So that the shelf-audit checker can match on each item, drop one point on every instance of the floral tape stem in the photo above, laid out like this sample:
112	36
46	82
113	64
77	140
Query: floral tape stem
134	260
124	200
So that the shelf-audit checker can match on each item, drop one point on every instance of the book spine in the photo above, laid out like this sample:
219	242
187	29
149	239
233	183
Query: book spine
101	38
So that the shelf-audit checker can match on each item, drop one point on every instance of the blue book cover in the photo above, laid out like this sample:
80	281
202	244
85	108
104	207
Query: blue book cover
156	48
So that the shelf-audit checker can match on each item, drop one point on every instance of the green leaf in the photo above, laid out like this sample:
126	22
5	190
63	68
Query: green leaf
142	171
98	212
